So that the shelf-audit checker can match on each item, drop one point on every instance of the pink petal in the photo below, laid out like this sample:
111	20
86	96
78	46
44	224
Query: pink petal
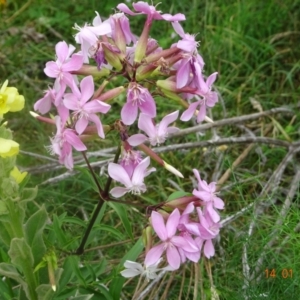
218	203
118	192
177	17
202	195
51	69
209	249
193	256
81	125
172	223
154	255
74	140
118	173
94	118
211	79
74	64
139	171
71	102
178	29
197	175
124	8
43	105
212	213
62	51
158	225
173	257
96	106
187	114
183	74
181	242
168	119
201	114
136	139
129	113
146	124
148	107
87	88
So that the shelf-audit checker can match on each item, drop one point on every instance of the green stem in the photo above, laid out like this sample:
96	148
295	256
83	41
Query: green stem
102	198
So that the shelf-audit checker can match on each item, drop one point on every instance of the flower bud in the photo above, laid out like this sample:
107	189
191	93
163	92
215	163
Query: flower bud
111	94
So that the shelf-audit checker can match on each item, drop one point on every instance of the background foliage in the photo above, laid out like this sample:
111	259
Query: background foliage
254	46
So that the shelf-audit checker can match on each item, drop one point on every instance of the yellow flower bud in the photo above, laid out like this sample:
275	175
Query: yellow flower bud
8	148
10	100
17	175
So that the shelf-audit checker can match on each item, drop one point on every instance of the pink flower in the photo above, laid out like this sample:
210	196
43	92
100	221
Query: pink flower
150	11
121	32
209	99
158	133
44	104
191	63
207	193
86	111
63	142
61	68
137	97
170	243
130	160
88	35
135	183
208	231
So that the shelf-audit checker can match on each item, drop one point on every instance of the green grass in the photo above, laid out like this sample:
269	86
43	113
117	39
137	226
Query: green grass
254	46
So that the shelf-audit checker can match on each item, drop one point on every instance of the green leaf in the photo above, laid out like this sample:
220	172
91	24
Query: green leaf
74	264
21	256
59	233
109	229
34	234
45	292
28	194
3	208
178	194
67	274
122	213
10	271
117	283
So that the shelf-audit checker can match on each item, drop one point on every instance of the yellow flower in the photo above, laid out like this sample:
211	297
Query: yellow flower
10	100
8	148
17	175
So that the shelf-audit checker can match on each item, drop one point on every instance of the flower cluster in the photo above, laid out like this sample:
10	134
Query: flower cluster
118	52
80	95
187	231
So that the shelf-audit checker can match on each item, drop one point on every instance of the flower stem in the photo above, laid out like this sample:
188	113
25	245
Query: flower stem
102	198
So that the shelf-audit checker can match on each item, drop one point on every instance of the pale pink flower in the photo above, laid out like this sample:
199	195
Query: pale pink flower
85	111
208	230
121	32
207	193
135	183
170	243
150	10
88	35
61	69
149	271
44	104
63	142
137	97
186	229
130	160
158	133
209	99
